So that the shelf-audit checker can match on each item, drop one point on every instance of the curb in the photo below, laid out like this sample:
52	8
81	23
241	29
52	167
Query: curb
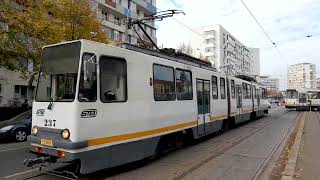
289	170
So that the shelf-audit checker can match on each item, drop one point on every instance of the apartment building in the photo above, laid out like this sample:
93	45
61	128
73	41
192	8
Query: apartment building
14	90
115	15
302	75
318	83
272	84
224	51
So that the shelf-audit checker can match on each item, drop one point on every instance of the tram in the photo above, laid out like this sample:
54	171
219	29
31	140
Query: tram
302	99
314	99
102	106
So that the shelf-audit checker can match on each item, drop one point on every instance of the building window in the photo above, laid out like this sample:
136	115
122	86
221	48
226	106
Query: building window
208	41
17	89
208	49
184	85
214	80
112	34
233	89
222	88
117	21
113	79
163	83
207	33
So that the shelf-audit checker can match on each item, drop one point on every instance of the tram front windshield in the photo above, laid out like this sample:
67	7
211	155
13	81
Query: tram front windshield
59	72
314	95
292	94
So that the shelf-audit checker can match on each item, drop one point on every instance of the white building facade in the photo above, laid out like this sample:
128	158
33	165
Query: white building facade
14	90
224	51
272	84
115	15
302	75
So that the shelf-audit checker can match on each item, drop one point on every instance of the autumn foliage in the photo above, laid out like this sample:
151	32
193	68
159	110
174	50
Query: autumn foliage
28	25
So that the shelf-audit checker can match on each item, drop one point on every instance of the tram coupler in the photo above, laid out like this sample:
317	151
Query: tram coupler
36	161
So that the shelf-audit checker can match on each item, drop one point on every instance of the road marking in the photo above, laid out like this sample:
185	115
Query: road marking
13	149
18	174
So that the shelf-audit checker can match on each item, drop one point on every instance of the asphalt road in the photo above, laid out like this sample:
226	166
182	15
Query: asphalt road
237	153
11	157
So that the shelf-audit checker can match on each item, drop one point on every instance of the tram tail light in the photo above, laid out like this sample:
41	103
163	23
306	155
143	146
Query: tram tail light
39	149
60	154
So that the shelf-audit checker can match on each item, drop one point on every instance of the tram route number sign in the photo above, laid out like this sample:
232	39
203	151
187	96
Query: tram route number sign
89	113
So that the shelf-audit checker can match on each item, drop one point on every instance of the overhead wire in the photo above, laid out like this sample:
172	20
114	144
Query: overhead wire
263	30
186	26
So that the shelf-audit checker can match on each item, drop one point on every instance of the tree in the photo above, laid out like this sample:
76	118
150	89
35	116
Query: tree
28	25
186	49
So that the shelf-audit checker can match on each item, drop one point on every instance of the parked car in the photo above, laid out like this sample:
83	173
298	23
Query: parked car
16	128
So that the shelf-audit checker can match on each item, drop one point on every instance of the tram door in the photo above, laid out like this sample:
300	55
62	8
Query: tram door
239	102
203	103
258	98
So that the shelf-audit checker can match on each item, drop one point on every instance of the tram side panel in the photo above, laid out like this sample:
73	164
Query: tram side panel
119	131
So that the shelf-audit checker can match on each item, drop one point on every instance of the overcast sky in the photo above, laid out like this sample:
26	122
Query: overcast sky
288	22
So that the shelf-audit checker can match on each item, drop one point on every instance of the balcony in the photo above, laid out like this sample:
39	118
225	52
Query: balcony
145	6
115	9
111	3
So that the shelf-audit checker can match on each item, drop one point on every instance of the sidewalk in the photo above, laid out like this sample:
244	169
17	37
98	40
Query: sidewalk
309	155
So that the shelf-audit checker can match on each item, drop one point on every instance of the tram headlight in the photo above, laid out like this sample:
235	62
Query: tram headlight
34	130
65	134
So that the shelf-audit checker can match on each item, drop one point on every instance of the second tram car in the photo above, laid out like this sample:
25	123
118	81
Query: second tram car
103	106
302	99
314	99
291	99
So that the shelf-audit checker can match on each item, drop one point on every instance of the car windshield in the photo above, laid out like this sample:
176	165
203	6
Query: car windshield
59	72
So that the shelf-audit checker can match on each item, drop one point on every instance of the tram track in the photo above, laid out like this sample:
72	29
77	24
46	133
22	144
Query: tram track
211	156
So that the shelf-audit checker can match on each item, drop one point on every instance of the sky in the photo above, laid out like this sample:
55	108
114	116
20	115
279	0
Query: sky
287	22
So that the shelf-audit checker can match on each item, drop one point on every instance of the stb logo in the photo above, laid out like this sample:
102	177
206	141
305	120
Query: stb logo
40	112
89	113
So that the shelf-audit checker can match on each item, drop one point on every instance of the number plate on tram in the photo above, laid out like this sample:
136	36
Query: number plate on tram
46	142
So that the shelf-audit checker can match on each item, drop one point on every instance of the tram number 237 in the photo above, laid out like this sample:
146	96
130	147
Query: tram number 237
50	123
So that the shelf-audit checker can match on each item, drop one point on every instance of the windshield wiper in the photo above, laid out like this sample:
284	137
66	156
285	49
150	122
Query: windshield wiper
51	103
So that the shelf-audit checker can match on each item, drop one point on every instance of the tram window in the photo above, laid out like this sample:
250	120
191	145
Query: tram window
184	85
233	89
214	87
163	83
264	93
223	88
245	90
249	91
113	79
88	79
254	93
